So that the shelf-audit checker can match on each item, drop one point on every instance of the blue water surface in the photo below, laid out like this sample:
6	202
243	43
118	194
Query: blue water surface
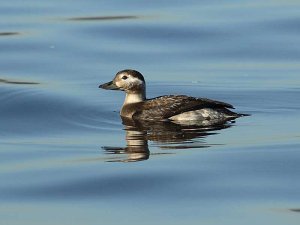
67	158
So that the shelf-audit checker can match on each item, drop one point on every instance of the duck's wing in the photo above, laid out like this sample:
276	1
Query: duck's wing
164	107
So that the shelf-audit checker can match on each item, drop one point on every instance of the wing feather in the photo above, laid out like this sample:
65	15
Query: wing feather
164	107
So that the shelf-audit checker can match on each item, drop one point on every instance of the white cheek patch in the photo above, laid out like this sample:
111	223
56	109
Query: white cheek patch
134	80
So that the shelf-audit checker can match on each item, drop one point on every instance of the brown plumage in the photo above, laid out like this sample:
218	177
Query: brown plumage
168	107
164	107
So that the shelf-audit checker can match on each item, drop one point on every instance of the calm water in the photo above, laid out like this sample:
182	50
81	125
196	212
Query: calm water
67	158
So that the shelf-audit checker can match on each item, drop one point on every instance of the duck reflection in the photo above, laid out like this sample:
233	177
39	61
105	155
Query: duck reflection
165	135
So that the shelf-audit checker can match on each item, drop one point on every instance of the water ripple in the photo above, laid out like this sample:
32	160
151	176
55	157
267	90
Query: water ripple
101	18
32	111
9	33
16	82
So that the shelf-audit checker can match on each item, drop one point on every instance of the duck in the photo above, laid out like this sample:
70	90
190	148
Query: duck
165	108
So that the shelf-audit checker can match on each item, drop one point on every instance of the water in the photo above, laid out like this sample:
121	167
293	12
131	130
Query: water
67	158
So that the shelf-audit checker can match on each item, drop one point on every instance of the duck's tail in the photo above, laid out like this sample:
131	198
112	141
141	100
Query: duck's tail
243	114
232	114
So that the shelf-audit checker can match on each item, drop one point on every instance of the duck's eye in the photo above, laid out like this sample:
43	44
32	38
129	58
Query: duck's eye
124	77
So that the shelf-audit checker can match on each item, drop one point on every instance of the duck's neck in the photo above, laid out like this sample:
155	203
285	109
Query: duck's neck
135	97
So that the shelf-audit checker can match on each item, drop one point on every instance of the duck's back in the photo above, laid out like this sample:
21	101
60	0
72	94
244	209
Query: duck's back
174	106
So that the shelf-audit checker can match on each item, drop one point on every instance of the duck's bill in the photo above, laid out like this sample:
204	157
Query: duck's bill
109	86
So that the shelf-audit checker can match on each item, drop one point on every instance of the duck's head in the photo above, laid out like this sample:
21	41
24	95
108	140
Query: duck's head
130	81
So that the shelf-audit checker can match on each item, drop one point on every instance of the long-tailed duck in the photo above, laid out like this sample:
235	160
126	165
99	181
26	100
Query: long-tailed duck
168	107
